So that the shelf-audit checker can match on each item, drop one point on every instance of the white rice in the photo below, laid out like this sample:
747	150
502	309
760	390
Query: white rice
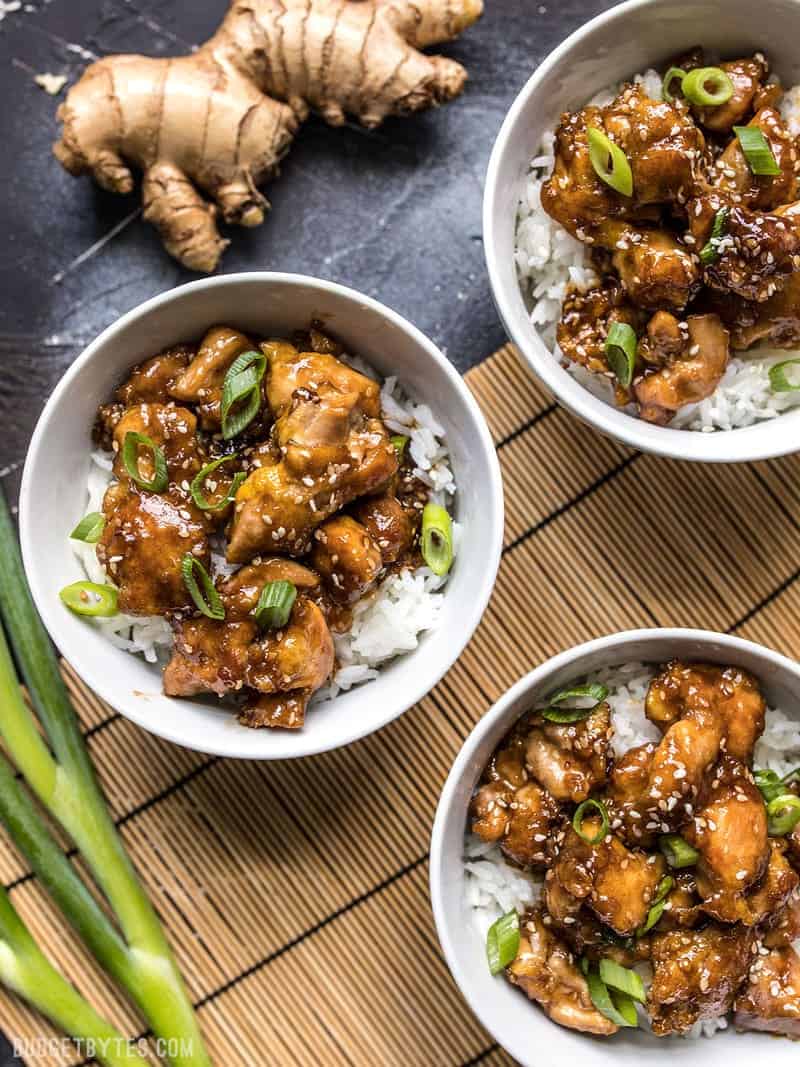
493	887
386	623
549	261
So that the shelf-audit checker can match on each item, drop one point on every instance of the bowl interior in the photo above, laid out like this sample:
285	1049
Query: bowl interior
53	498
518	1025
627	39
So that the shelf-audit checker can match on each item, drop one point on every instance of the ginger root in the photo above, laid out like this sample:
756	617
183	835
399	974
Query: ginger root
220	120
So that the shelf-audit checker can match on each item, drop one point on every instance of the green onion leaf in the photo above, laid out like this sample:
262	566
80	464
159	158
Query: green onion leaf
208	600
779	381
275	605
620	348
130	459
241	391
770	784
757	151
437	538
89	598
610	162
783	814
502	942
678	853
658	905
553	713
89	528
198	480
601	998
618	977
399	444
666	86
707	87
591	805
709	253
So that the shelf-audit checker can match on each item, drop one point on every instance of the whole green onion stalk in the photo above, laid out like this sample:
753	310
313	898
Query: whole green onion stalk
59	772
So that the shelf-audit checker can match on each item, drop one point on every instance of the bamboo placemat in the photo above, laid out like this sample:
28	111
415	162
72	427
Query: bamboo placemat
296	894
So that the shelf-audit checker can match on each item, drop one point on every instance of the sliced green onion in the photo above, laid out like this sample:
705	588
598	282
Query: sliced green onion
502	942
678	853
275	605
783	814
770	784
242	390
580	812
610	162
658	905
399	444
620	348
208	600
89	598
437	538
619	1012
779	381
709	253
707	87
757	151
198	480
89	528
130	459
617	977
553	713
669	78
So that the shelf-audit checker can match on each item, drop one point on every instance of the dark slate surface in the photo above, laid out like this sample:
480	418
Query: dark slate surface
395	213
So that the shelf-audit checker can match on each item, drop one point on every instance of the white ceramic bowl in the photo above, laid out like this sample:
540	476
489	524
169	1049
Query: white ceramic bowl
628	38
53	498
517	1024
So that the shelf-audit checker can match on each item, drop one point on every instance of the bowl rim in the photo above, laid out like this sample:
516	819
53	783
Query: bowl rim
726	446
414	688
444	918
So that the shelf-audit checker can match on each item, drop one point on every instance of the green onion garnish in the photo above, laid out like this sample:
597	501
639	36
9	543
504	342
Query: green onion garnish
610	162
707	87
130	459
553	713
622	979
200	477
779	381
89	598
275	605
770	784
399	444
658	905
709	253
757	151
678	853
783	814
242	390
502	942
208	601
436	542
580	812
621	1010
669	78
620	349
89	528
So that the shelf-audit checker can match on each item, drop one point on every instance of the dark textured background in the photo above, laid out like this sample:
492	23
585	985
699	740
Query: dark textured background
395	213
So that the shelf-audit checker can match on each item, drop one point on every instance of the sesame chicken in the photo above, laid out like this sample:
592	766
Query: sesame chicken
748	77
347	558
570	759
770	1001
201	382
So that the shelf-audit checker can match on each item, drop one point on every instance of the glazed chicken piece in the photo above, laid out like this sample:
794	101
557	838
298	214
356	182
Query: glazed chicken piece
391	526
346	557
334	449
774	322
734	180
585	321
617	883
148	383
570	759
696	975
729	830
748	77
173	430
682	908
688	379
209	657
655	269
145	537
771	999
201	382
241	591
547	973
633	815
772	904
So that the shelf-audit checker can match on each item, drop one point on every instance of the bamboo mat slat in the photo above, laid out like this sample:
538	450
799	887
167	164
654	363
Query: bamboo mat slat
295	894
